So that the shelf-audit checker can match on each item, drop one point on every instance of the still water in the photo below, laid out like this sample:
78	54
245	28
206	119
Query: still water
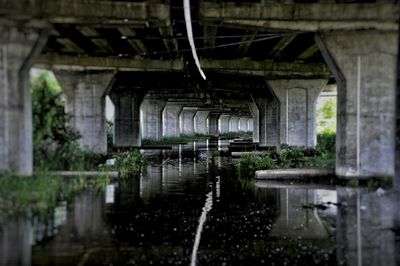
188	208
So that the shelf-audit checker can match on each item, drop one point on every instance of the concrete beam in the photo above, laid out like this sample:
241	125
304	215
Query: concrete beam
246	42
281	45
83	12
310	51
308	16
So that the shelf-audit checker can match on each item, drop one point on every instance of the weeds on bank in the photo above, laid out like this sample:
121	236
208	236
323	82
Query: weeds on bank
175	140
38	194
239	134
130	164
323	156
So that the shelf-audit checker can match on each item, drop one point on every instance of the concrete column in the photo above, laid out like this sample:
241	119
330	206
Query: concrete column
200	122
243	124
268	120
19	46
234	124
213	120
171	119
364	66
297	109
127	118
256	121
250	124
223	123
151	111
187	120
85	94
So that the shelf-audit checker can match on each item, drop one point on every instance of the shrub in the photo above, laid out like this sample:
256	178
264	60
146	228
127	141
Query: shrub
250	163
291	157
266	163
130	164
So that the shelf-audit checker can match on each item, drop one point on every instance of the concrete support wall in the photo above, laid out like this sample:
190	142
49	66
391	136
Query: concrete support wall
127	118
297	110
151	111
19	46
250	124
200	122
364	65
171	119
243	126
268	120
223	123
85	94
234	124
256	121
213	120
187	121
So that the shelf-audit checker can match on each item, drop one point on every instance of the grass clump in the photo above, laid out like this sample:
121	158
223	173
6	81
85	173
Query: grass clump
239	134
175	140
250	163
130	164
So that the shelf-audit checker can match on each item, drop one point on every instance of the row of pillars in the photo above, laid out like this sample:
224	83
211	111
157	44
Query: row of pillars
363	63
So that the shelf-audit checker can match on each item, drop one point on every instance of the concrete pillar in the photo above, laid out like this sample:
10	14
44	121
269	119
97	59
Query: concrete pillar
171	119
256	121
364	66
297	109
213	120
250	124
85	93
243	124
268	120
223	123
200	122
151	111
19	46
127	118
234	124
187	120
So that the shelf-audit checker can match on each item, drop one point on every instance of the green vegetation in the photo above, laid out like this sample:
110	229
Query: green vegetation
326	117
36	195
130	164
175	140
55	145
239	134
323	156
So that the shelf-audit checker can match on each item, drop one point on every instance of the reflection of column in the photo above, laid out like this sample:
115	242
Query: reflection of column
151	117
223	123
363	232
200	122
127	118
187	120
151	184
171	119
15	243
234	124
85	93
295	221
364	65
297	109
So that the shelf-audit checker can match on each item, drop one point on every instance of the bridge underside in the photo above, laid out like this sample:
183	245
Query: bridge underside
266	63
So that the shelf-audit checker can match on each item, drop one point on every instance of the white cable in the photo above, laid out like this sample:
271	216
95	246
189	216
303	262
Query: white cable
188	22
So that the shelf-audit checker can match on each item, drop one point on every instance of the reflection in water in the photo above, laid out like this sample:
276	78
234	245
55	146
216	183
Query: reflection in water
155	220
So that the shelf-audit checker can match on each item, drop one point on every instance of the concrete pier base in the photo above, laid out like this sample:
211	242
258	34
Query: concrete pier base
171	119
364	66
200	122
127	118
255	127
151	111
213	120
223	123
19	46
267	123
85	93
187	120
297	110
